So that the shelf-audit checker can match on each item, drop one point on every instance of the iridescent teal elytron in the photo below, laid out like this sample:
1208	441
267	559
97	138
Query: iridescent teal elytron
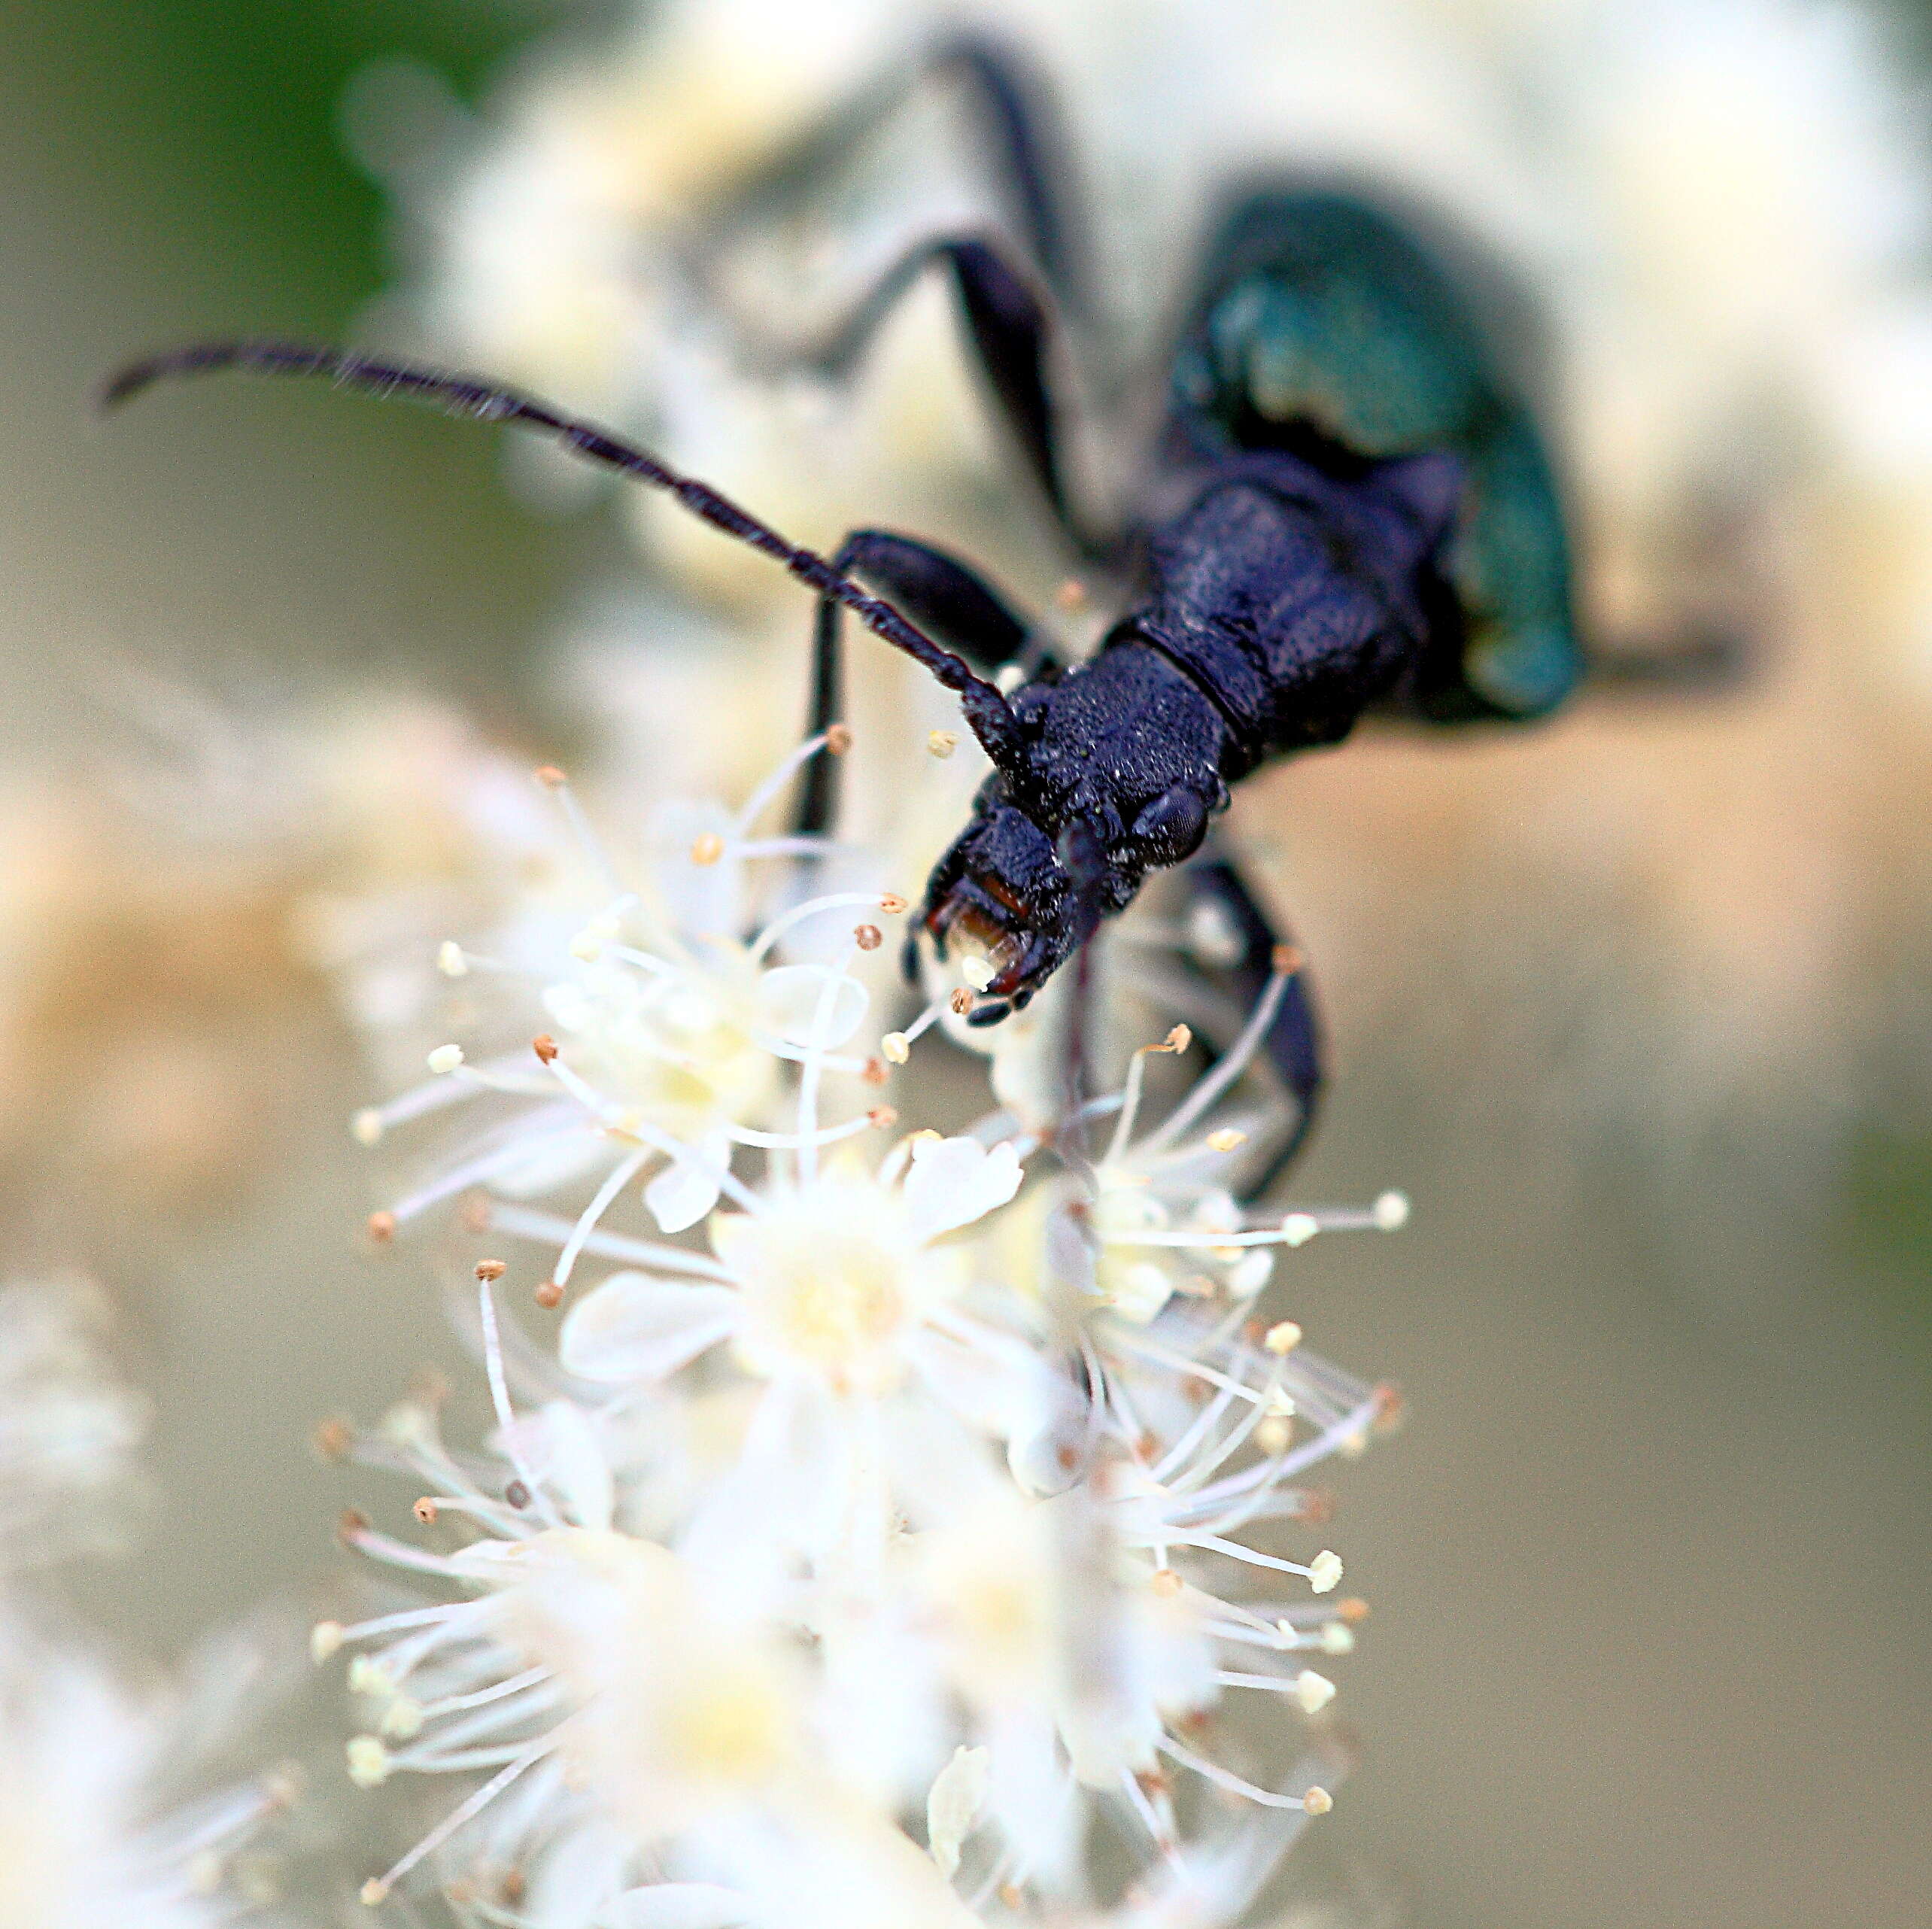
1321	318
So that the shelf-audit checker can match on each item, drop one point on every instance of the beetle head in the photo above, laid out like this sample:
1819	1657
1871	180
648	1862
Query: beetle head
1024	899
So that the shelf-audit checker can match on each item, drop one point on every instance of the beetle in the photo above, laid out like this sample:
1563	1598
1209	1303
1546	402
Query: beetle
1343	509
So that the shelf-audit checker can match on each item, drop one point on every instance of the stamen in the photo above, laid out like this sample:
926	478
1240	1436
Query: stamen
1228	1068
620	1176
555	781
832	901
788	767
548	1228
500	1398
376	1891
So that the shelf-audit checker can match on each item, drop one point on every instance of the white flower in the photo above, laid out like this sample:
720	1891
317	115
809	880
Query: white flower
70	1430
655	1025
89	1838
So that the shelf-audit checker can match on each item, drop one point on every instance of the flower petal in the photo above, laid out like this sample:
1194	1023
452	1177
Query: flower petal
793	997
955	1181
686	1188
634	1327
678	1905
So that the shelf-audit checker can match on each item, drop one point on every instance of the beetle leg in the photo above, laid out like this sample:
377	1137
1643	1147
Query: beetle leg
1247	947
1013	116
945	597
1009	329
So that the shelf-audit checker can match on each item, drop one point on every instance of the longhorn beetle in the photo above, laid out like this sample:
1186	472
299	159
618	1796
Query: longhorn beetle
1343	509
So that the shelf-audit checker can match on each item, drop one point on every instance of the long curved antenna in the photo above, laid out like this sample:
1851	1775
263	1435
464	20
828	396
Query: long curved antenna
987	712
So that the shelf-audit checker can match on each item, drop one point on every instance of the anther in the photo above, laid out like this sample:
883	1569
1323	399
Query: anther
325	1640
544	1046
450	960
881	1116
1283	1338
942	743
518	1496
1226	1139
1166	1583
489	1270
550	777
332	1440
962	1001
1178	1040
350	1525
1317	1802
868	937
891	903
1071	596
1324	1571
549	1295
374	1893
1352	1609
382	1227
1313	1691
706	848
1285	959
444	1058
873	1072
838	740
1390	1212
425	1511
365	1127
897	1047
1272	1437
1298	1228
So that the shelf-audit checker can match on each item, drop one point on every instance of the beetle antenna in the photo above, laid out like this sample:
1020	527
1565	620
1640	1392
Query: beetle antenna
987	711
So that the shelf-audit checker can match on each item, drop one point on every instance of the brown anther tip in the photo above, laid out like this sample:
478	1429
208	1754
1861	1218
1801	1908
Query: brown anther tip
351	1524
549	1295
1011	1895
706	848
881	1116
891	903
1389	1406
838	740
473	1215
1353	1610
1317	1508
868	937
550	777
1166	1583
1153	1782
425	1511
1286	959
544	1046
962	1001
874	1072
514	1887
1068	1458
1178	1040
382	1227
489	1270
517	1494
1071	595
332	1439
1254	1332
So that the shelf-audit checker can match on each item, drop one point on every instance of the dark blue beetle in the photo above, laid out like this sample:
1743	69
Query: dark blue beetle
1344	510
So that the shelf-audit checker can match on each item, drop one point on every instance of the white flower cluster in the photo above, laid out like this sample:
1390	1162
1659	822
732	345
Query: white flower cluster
94	1828
898	1551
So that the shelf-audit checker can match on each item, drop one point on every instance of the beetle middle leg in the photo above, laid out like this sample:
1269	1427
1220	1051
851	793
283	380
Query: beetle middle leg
1241	945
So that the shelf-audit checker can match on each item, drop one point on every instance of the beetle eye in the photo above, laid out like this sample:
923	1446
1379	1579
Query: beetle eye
1172	827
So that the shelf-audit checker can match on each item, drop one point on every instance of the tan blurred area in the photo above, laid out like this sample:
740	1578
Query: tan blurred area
1635	1006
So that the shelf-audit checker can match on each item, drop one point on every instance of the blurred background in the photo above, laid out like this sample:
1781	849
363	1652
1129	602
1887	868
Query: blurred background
1637	1006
